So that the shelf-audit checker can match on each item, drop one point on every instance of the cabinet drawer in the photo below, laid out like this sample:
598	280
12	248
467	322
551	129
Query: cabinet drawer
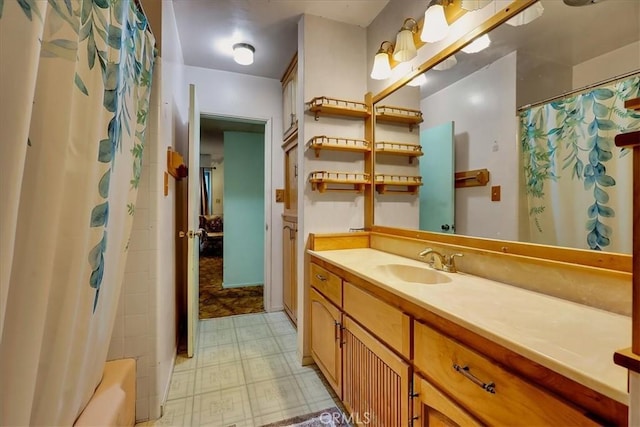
514	401
327	284
385	321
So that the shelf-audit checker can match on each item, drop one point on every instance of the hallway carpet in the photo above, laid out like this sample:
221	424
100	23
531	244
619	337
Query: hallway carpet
215	301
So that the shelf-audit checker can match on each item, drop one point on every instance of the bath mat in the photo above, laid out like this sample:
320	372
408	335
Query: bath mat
330	417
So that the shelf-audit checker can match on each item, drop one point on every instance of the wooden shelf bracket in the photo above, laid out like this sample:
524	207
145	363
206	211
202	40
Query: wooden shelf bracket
472	178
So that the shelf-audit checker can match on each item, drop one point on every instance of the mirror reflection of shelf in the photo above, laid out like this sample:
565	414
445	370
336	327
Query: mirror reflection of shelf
323	181
399	149
323	105
399	115
398	183
323	142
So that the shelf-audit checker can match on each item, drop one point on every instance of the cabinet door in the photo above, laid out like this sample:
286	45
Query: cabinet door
376	380
432	408
289	293
291	178
325	340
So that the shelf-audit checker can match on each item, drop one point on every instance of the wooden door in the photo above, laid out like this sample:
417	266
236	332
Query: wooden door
193	206
291	177
325	340
376	380
433	409
437	168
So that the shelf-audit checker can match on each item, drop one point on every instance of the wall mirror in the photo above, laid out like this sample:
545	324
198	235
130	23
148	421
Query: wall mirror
563	77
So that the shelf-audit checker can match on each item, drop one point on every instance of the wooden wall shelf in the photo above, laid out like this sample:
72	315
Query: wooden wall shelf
632	104
323	142
399	115
323	181
399	149
398	183
323	105
473	178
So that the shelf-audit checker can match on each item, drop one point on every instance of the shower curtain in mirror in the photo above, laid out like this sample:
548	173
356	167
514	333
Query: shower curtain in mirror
578	183
75	80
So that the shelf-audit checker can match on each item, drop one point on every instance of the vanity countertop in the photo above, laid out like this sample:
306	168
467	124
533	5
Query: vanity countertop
574	340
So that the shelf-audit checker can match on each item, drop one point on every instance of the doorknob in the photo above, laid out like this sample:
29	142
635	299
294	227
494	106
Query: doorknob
191	234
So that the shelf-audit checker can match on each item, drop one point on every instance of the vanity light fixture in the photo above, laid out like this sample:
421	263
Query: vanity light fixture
435	26
474	4
381	63
446	64
243	53
405	49
531	13
478	44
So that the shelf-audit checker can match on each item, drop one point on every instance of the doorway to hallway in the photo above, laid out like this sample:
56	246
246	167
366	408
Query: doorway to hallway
231	272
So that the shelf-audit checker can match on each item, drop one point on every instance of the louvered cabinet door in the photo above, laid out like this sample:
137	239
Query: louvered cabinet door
375	380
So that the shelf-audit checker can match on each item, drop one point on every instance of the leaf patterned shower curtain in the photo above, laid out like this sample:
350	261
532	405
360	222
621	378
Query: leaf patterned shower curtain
578	183
75	79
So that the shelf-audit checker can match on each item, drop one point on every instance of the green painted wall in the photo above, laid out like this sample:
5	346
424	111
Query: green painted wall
243	209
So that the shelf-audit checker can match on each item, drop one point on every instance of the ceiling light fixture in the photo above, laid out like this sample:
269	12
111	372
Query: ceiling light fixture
381	63
405	49
446	64
474	4
531	13
243	53
478	44
435	26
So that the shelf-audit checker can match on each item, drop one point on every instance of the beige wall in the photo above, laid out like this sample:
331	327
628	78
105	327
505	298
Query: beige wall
614	63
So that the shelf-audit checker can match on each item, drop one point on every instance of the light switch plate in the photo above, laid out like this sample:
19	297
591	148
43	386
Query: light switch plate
279	195
495	193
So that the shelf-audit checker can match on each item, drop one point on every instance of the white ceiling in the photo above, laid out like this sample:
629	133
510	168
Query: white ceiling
208	28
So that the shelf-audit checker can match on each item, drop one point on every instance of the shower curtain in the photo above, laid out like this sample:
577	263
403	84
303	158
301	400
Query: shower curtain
75	80
578	183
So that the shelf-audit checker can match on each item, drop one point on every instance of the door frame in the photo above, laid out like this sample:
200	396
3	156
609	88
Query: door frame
268	202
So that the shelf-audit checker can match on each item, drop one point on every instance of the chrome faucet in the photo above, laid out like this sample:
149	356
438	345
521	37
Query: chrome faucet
439	261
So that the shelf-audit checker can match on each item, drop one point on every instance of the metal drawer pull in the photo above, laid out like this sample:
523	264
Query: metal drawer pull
321	277
337	329
464	370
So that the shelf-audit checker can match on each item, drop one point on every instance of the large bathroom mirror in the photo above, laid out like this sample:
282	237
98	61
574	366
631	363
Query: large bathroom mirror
563	77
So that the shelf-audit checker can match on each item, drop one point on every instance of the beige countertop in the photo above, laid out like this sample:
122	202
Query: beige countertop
574	340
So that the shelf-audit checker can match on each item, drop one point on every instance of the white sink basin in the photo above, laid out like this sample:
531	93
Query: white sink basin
410	273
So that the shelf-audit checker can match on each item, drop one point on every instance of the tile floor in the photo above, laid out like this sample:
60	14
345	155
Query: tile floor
245	373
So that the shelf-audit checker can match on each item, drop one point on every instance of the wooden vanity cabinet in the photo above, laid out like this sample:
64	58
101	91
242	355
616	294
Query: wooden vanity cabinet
432	408
375	379
353	338
326	345
485	389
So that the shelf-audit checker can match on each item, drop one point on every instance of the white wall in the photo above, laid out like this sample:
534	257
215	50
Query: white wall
398	210
331	62
620	61
228	94
145	326
483	107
